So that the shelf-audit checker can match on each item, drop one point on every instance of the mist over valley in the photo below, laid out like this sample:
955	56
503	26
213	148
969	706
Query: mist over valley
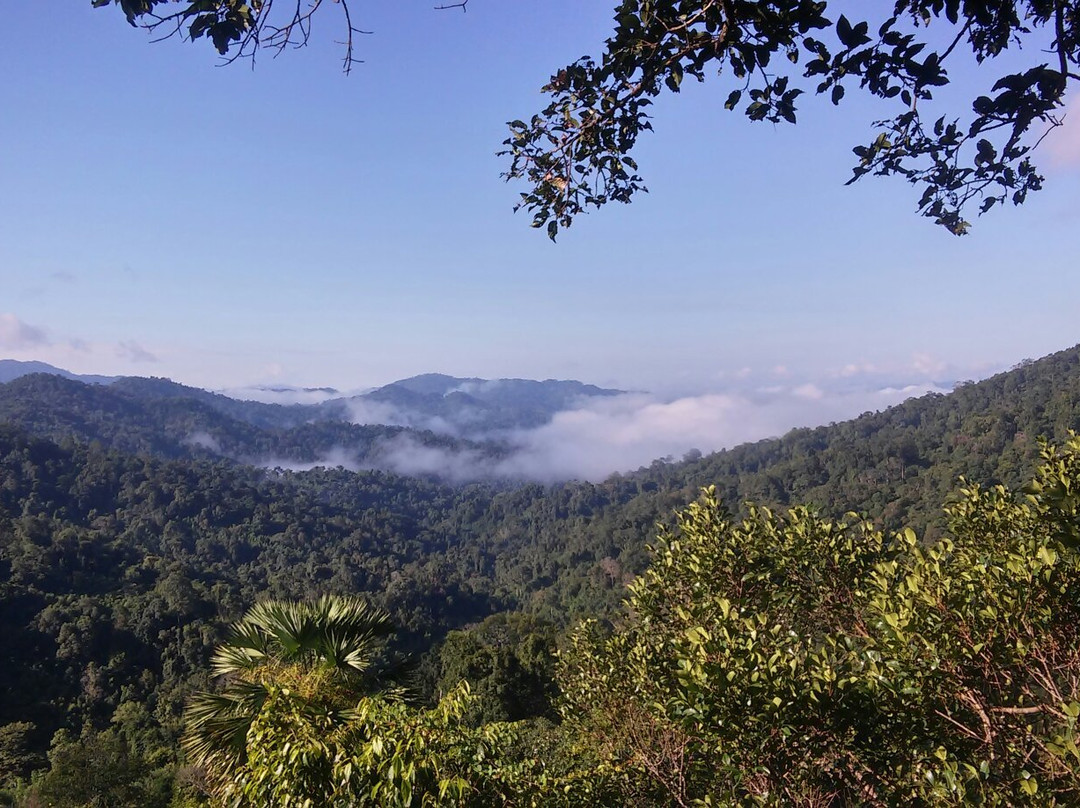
457	430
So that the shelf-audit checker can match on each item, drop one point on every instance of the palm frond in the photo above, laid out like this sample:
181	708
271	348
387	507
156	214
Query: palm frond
342	639
353	614
216	724
286	624
232	658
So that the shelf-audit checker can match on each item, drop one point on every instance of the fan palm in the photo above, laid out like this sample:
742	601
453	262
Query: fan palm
336	642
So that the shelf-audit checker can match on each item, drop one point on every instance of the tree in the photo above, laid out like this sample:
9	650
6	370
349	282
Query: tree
329	651
508	661
307	719
576	153
97	769
237	28
795	660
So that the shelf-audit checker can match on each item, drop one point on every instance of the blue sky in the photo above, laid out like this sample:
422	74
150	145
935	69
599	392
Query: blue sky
163	215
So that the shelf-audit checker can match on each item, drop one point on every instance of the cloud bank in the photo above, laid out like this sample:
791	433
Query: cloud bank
623	433
16	334
631	431
281	394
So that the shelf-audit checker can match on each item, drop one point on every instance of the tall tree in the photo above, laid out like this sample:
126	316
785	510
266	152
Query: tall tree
330	653
308	717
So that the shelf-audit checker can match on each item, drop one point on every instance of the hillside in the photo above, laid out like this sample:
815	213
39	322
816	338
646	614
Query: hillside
11	369
166	420
896	466
414	426
121	561
450	404
465	406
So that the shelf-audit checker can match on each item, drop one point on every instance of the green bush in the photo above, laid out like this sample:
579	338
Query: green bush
793	660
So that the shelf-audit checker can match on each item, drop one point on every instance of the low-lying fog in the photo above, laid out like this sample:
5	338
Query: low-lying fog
603	435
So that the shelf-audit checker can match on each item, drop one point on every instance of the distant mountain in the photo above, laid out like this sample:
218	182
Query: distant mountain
466	406
252	412
160	418
470	407
11	369
407	426
550	393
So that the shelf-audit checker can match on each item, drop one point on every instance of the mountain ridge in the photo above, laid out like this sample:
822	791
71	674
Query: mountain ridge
118	571
465	407
11	369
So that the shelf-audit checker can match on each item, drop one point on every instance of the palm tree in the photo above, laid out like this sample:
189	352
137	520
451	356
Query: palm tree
335	645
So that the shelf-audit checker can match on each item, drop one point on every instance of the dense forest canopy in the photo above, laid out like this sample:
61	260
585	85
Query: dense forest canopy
218	603
122	563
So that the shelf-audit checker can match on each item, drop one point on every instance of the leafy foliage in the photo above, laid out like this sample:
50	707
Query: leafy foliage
574	154
379	752
798	660
116	569
508	661
331	645
303	721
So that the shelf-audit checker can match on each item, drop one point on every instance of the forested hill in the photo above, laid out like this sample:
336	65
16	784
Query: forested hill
161	418
256	413
448	404
118	570
897	464
469	406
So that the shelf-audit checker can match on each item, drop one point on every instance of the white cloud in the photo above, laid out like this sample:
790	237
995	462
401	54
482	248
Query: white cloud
133	352
404	454
628	432
366	411
623	433
1063	143
204	440
15	334
283	394
855	369
926	364
810	391
478	386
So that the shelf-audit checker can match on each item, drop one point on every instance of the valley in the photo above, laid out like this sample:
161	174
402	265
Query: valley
127	546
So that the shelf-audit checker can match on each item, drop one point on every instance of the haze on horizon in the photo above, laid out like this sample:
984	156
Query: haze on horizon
586	435
227	227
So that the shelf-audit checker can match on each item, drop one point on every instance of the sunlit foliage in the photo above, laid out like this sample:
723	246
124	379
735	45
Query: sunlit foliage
791	659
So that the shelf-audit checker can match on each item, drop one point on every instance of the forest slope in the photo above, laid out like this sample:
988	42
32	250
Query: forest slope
118	570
